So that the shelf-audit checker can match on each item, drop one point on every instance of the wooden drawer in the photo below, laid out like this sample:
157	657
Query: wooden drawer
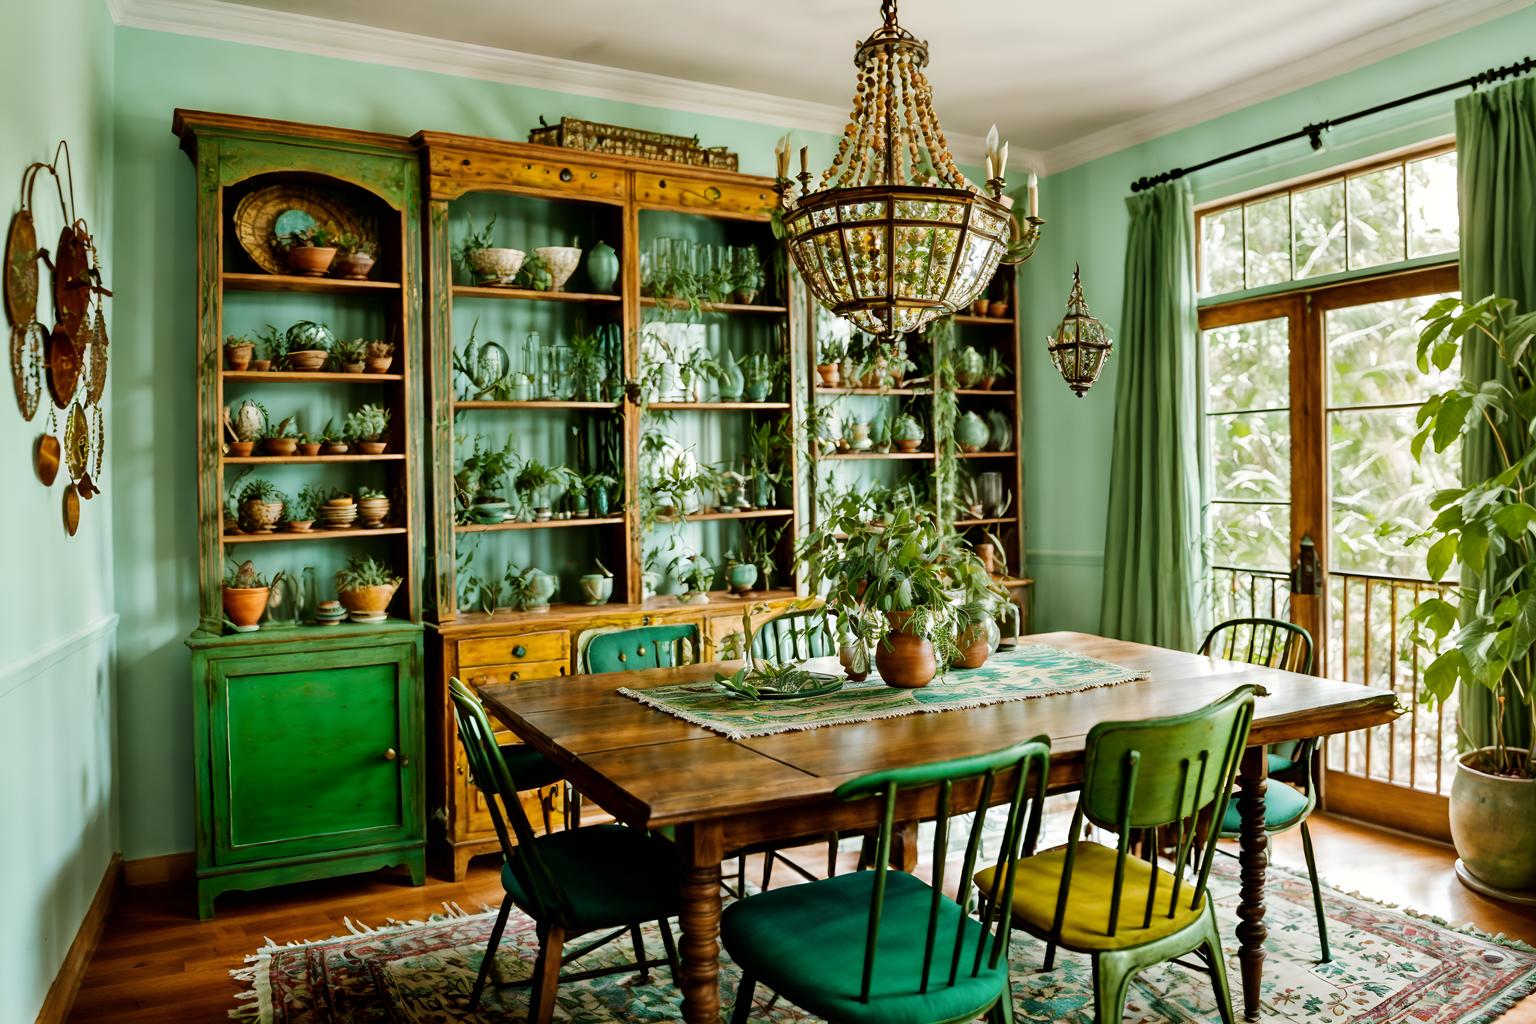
550	645
459	170
665	189
473	822
518	672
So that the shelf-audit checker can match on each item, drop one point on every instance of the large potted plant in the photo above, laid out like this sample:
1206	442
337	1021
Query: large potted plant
365	588
886	587
1482	633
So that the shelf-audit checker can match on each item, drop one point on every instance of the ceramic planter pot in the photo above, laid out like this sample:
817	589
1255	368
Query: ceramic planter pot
369	600
742	577
309	449
238	357
257	516
280	446
308	360
372	447
598	497
907	445
261	365
905	660
495	265
971	432
298	525
969	366
542	590
758	390
596	588
379	364
354	266
241	449
602	267
854	657
744	296
977	642
997	308
560	261
243	605
311	260
351	367
371	512
334	448
831	376
1493	825
489	513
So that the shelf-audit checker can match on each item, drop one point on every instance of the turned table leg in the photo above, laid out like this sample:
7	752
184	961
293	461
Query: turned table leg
1253	842
700	920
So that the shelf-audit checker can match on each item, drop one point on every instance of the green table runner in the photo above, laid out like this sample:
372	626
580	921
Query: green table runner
1028	671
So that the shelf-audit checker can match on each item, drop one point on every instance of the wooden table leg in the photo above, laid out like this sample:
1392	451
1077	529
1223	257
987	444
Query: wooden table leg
700	920
1253	842
904	846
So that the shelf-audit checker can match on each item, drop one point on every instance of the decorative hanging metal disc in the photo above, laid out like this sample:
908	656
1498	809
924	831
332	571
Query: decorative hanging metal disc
71	510
45	459
72	279
21	269
63	366
77	442
96	358
27	341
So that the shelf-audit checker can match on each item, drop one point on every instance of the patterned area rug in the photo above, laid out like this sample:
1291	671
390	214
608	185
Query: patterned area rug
1388	966
1028	671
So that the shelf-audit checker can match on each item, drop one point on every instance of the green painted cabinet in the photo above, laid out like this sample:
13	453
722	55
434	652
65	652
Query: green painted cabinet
310	756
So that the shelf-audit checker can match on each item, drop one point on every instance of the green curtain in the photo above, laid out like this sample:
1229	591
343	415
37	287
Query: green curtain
1496	154
1153	558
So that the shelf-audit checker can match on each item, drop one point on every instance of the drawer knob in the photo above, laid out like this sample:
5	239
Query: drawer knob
565	174
516	676
712	194
519	651
389	754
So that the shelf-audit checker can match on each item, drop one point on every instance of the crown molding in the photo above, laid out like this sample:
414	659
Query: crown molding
1425	27
327	37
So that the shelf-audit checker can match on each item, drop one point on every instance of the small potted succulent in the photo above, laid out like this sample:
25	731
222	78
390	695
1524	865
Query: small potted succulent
270	349
333	441
597	587
907	433
372	508
354	257
379	356
366	587
350	354
831	354
307	345
245	596
261	505
299	514
367	426
309	251
281	440
996	369
488	264
308	446
237	351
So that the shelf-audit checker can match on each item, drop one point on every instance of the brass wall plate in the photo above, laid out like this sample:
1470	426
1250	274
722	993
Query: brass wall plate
21	269
45	459
63	366
71	510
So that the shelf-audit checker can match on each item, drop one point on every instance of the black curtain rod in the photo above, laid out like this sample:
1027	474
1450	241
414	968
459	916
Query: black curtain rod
1314	132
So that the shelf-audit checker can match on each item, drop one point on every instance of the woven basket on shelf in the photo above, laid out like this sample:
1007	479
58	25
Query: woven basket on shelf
258	211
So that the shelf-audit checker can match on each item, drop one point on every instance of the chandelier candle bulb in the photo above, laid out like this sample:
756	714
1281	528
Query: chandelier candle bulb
1034	194
781	157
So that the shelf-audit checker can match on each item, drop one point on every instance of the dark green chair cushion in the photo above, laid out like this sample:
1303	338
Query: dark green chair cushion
1283	807
612	875
1278	762
530	769
806	942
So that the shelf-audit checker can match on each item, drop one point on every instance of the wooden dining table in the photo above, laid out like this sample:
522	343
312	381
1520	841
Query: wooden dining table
652	770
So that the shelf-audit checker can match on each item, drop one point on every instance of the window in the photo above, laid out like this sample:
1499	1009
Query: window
1370	217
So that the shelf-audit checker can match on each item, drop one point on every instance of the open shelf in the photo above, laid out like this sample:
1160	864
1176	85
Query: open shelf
308	285
989	455
282	460
722	597
720	406
879	455
477	291
961	524
715	307
992	321
309	377
894	392
548	524
476	403
751	513
282	535
985	392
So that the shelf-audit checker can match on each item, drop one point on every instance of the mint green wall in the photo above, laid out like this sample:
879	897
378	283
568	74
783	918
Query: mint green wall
1067	439
58	802
154	360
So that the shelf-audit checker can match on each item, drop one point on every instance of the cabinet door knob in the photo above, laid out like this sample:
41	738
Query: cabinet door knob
519	651
516	676
389	754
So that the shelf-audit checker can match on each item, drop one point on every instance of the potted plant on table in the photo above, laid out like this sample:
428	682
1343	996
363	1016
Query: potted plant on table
309	251
886	587
1482	633
245	595
365	588
978	597
695	573
487	263
367	426
354	257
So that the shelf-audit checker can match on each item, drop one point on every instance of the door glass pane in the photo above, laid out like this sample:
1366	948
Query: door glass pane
1251	455
1434	224
1266	236
1372	354
1247	366
1376	218
1221	252
1250	536
1319	239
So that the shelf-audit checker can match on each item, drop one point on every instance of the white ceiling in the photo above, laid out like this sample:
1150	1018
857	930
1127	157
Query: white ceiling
1054	76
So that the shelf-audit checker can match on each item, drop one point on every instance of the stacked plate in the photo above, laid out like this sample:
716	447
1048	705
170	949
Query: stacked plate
369	616
335	516
330	613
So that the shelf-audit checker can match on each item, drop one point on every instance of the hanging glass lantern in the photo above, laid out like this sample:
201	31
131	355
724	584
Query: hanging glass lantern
1081	344
896	236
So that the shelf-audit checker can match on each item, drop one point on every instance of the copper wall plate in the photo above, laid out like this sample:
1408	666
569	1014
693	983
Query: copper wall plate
71	280
21	269
96	359
27	342
71	510
63	366
77	442
45	459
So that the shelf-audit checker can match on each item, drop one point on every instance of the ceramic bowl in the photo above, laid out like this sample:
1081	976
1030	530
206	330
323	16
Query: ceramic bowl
496	266
307	359
560	261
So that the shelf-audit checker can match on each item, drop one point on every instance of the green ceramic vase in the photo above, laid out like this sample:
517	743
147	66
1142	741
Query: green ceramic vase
971	432
602	267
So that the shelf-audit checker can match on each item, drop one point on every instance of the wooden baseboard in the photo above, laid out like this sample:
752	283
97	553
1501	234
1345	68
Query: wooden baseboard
171	867
1390	806
66	984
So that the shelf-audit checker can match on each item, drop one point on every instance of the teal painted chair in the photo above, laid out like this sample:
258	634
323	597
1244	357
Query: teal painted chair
794	636
1284	645
882	945
566	881
629	650
1170	774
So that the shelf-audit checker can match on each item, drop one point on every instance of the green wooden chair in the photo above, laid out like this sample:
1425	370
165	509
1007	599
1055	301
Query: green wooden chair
566	880
1284	645
794	636
628	650
1139	778
882	945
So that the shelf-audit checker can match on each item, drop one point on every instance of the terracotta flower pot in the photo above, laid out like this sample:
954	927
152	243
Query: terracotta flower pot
905	660
261	365
907	446
368	599
334	448
1493	824
238	357
379	364
353	266
975	648
280	446
309	448
298	525
372	447
244	605
831	375
351	367
311	260
308	359
241	449
998	308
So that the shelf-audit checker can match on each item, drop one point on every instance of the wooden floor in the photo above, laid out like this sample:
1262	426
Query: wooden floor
158	963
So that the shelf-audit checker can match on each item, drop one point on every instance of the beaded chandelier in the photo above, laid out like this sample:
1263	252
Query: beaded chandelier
896	236
1081	344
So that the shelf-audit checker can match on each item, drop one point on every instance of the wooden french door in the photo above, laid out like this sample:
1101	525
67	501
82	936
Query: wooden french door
1313	499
